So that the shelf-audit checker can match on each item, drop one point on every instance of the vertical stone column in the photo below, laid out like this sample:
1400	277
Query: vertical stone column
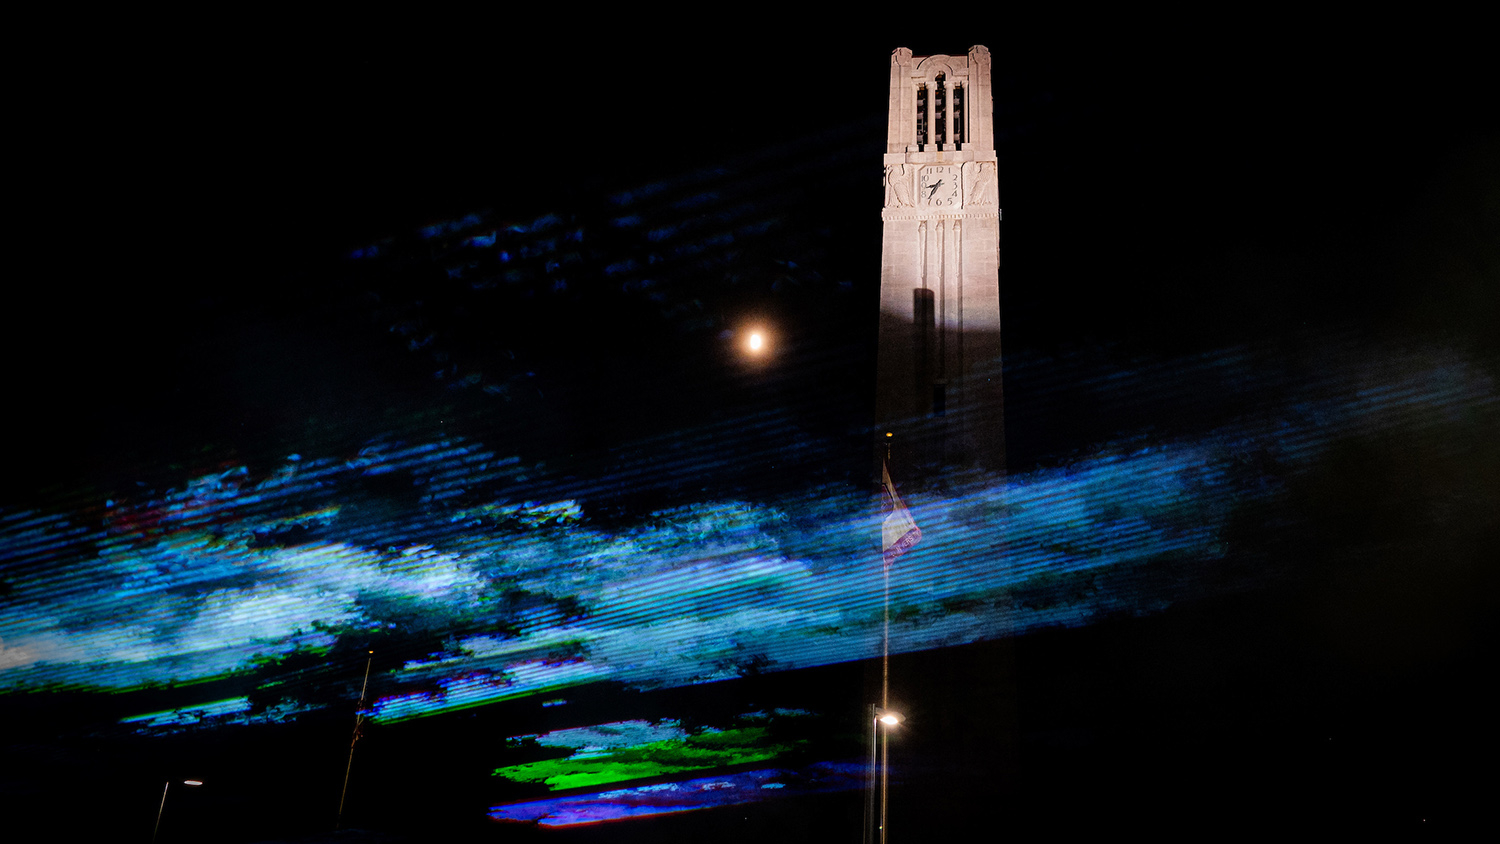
978	102
900	133
922	239
955	354
945	298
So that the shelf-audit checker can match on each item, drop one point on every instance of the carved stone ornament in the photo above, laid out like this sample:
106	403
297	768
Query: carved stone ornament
897	187
979	183
979	55
900	56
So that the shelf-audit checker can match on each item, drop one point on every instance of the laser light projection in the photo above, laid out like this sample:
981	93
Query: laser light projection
572	516
242	600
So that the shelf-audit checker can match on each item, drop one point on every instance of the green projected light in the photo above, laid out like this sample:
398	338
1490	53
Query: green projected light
592	765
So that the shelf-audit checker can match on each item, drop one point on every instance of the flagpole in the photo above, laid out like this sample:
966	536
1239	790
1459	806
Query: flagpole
359	720
885	697
869	833
898	533
885	686
885	641
885	665
885	638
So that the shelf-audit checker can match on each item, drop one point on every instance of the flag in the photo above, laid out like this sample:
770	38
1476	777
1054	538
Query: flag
899	531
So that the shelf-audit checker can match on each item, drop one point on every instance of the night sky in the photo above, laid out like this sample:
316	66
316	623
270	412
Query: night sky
256	244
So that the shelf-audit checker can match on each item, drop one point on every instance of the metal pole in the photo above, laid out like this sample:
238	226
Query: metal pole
874	715
359	719
885	670
885	701
163	808
885	761
885	647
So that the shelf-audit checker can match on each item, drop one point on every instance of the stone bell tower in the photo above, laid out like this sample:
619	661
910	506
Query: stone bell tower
938	382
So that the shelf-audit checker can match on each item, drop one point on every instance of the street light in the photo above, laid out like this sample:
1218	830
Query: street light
163	807
879	758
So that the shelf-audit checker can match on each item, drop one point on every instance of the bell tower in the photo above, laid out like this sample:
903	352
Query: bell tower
938	380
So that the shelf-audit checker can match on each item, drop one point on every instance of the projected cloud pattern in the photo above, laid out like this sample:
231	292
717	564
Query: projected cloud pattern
411	546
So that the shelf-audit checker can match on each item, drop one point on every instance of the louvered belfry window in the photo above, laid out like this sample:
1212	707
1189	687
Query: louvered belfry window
958	117
921	116
940	111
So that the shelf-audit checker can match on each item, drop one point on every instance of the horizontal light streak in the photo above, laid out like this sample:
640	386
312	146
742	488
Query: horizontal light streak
176	587
686	796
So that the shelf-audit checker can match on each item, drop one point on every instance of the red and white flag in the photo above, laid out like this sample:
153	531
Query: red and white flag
899	531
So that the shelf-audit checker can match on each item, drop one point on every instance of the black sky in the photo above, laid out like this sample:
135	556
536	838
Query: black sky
1164	192
1171	188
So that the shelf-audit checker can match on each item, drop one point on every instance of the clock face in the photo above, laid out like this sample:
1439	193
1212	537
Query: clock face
937	187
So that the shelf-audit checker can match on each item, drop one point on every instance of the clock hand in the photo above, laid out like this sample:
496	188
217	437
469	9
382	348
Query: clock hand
934	188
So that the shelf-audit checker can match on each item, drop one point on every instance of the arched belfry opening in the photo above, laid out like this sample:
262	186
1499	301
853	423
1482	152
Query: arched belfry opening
938	109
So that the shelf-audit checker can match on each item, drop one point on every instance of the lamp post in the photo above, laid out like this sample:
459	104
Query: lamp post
882	721
894	543
163	807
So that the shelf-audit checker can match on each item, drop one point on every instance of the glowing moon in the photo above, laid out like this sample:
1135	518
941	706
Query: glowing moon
757	341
